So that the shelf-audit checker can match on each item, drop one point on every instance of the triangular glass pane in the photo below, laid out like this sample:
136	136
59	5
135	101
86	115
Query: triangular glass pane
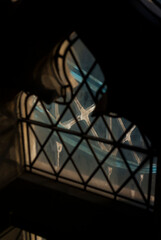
99	181
56	151
116	169
99	129
117	126
83	106
100	149
69	140
135	138
133	158
68	122
34	145
131	191
42	163
70	172
84	160
40	115
41	132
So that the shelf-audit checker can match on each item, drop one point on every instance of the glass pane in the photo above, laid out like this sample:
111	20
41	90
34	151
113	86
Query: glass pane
96	80
69	122
41	132
100	149
70	140
100	129
117	126
134	138
56	151
39	114
133	158
70	172
33	144
116	169
83	56
84	160
55	111
43	164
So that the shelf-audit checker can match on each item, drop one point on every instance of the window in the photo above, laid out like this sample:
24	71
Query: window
109	156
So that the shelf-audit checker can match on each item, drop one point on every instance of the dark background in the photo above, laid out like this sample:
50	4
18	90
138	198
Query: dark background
125	39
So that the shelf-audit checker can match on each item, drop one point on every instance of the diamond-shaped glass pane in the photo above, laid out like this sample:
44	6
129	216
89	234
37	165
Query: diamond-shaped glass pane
99	129
41	132
134	158
69	140
56	151
117	126
115	168
69	122
84	160
100	149
83	55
